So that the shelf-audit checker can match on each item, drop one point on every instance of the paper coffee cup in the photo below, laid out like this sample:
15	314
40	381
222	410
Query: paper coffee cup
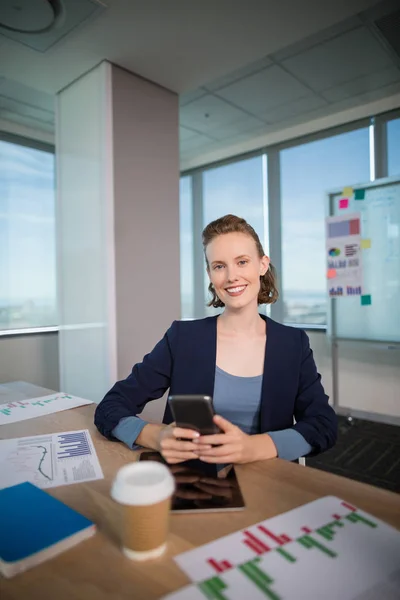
144	489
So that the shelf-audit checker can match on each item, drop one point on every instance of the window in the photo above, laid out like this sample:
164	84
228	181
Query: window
186	247
393	141
27	238
308	172
240	189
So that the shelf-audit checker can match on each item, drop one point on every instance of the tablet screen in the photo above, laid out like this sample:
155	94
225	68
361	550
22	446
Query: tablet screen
201	486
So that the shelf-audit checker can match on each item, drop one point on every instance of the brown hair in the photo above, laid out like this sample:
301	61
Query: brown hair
268	293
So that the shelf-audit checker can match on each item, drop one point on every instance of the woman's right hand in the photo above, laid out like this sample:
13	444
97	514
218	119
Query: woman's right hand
174	449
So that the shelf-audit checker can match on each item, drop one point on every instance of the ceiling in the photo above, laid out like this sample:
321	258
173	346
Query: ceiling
242	69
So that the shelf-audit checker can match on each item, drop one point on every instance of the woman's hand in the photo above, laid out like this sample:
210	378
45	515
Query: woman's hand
233	445
174	449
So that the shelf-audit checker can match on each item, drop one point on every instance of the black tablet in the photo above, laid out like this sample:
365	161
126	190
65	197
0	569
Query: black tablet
202	487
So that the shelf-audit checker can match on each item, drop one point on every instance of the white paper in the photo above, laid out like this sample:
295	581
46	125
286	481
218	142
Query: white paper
49	460
343	256
20	410
352	555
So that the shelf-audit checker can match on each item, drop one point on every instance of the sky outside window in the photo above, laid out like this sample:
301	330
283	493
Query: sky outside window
27	237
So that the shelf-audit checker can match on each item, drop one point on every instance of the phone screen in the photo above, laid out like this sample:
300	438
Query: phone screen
202	486
194	412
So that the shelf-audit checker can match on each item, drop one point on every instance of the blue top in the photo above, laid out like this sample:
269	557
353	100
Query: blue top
238	400
184	362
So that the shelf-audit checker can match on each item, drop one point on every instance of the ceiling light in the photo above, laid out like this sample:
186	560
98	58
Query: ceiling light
31	16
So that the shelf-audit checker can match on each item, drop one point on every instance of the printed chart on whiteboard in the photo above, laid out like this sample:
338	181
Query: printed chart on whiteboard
49	460
327	549
343	255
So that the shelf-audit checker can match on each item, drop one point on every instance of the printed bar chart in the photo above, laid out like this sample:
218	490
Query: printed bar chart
37	407
73	444
219	566
329	547
278	539
254	543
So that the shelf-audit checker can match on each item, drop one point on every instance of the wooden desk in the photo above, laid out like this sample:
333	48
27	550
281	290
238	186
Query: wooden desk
96	569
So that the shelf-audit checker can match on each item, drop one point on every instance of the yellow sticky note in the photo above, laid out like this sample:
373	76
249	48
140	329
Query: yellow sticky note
347	191
365	244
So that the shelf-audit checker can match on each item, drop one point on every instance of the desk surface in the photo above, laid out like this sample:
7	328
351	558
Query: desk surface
96	569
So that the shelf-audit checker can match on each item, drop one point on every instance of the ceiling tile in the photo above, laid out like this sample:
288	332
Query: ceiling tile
239	74
190	96
265	89
316	38
292	109
362	85
26	110
198	141
23	93
338	60
186	134
237	127
208	113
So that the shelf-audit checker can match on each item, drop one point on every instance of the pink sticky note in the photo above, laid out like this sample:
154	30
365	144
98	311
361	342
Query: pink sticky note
344	203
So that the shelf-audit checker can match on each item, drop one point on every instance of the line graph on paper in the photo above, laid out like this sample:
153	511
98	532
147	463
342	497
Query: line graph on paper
32	461
49	460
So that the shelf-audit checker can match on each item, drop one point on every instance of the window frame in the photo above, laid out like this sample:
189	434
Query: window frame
19	140
381	141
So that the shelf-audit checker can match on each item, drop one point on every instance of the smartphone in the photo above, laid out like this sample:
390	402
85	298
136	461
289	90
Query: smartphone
194	412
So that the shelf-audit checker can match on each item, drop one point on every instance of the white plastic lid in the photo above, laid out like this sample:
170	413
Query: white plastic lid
142	483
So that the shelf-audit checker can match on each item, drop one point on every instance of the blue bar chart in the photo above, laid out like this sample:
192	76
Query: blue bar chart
73	444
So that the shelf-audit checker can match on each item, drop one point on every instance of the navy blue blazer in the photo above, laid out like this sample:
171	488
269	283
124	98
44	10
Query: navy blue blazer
184	361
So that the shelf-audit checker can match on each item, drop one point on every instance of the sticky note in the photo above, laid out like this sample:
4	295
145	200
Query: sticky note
331	274
359	194
347	191
344	203
365	244
366	300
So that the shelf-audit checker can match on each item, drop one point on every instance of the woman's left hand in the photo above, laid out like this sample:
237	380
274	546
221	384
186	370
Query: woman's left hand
233	445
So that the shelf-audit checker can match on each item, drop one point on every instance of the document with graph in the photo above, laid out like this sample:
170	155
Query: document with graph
49	460
325	549
20	410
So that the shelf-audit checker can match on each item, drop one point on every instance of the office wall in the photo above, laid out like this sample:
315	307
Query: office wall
117	149
146	214
32	358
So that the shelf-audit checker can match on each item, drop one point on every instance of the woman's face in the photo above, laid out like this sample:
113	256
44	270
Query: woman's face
235	269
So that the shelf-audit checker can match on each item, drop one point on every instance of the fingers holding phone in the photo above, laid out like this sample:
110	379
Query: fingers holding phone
177	444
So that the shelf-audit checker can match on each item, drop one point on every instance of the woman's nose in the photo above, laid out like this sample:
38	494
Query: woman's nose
231	274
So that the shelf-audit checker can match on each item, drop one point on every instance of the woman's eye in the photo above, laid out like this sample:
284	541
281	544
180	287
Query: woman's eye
243	262
217	267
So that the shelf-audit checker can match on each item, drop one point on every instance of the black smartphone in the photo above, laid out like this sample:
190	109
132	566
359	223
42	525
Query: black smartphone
194	412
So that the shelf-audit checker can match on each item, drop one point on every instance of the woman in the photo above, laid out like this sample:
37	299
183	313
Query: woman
260	374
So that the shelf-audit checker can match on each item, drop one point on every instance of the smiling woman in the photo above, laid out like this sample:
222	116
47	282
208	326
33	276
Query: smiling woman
261	374
225	236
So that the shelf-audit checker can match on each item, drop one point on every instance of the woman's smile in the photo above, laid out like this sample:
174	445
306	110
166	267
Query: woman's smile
236	291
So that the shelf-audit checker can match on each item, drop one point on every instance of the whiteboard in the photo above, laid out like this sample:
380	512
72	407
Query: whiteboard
380	223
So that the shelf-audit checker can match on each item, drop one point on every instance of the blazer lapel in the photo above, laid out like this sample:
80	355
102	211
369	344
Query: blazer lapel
270	389
209	356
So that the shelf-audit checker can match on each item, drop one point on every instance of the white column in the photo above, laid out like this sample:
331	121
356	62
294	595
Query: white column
118	225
